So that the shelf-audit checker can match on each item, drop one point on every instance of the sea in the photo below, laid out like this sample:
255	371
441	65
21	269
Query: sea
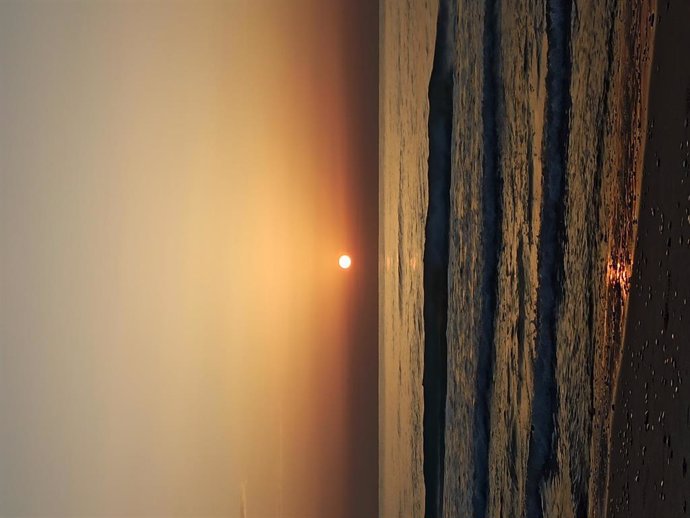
511	141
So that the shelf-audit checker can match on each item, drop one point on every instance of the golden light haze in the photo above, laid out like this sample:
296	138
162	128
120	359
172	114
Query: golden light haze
156	358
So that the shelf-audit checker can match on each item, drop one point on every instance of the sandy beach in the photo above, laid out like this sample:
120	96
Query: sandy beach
651	424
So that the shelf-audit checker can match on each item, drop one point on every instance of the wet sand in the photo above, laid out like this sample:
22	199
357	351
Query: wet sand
650	445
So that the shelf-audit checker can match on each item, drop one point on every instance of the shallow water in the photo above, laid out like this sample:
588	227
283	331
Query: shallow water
544	153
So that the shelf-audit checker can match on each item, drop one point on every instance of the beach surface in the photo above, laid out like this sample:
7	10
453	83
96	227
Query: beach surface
651	425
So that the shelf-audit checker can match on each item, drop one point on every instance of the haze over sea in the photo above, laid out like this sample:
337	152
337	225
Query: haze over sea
511	137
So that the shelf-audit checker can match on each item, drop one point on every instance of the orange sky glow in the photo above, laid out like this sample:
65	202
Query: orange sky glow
177	185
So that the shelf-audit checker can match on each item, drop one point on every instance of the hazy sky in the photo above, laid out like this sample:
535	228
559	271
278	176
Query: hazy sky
177	180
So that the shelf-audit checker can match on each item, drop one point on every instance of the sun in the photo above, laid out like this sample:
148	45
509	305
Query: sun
344	262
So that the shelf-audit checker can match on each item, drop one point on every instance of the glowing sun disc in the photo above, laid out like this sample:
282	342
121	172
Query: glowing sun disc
344	261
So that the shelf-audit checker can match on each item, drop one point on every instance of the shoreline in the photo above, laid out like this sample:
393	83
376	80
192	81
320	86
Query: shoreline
646	63
653	314
619	250
648	59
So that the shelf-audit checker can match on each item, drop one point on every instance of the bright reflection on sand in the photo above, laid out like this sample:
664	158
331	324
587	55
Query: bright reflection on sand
618	272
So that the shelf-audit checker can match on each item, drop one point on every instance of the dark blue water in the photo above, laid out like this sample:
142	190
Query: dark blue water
541	462
436	264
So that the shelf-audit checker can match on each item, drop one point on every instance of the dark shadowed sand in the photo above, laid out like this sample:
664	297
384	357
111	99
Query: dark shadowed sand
651	426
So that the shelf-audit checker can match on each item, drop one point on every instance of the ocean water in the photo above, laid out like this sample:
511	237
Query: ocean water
545	148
